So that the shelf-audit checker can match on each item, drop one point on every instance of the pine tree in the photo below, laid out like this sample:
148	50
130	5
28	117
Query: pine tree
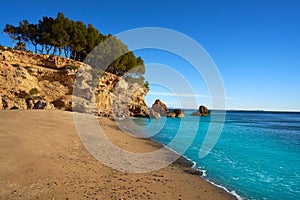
12	32
45	32
80	42
60	36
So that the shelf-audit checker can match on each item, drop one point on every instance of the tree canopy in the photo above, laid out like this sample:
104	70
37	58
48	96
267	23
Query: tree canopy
73	39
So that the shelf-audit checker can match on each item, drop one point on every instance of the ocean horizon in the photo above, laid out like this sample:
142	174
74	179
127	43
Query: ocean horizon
257	155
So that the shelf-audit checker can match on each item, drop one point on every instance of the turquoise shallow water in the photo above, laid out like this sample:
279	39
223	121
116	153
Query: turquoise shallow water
257	154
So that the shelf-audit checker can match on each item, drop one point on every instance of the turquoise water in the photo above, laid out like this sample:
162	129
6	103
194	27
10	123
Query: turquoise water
257	154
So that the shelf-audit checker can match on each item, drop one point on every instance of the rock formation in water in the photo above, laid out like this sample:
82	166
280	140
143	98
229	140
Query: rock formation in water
159	109
202	111
178	113
35	81
154	115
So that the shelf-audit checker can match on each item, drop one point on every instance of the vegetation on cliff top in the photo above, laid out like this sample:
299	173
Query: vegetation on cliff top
73	39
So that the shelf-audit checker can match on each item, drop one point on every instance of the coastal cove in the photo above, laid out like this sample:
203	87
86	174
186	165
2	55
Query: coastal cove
150	100
44	158
256	156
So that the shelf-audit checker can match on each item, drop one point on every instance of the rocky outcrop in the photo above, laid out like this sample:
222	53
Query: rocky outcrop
159	107
202	111
171	114
40	104
48	61
178	113
154	115
29	81
114	96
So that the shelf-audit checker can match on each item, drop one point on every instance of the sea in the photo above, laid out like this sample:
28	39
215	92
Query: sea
256	154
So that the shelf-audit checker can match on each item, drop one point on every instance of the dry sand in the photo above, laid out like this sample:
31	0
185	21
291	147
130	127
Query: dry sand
42	157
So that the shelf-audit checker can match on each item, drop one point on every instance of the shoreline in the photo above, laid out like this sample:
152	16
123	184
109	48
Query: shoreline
200	172
192	165
44	158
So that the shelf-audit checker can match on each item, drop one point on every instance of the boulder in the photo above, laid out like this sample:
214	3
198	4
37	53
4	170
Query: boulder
64	103
5	104
179	113
14	108
41	104
154	115
171	114
10	103
202	111
196	114
81	105
160	107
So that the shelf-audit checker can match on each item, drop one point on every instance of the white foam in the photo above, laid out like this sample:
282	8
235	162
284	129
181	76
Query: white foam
224	188
204	173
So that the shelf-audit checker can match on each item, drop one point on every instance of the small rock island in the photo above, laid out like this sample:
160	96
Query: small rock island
159	109
202	111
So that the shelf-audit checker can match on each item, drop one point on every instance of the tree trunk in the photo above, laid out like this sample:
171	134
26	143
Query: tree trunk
42	51
54	51
66	51
48	49
74	55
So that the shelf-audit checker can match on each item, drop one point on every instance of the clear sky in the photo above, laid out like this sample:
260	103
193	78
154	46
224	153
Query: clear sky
255	44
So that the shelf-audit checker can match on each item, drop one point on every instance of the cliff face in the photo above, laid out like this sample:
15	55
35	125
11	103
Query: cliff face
32	81
116	97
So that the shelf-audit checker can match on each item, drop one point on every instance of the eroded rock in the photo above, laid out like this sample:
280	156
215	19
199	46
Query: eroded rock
202	111
159	107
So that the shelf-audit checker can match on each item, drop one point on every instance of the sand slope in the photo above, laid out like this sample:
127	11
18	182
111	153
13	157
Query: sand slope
42	157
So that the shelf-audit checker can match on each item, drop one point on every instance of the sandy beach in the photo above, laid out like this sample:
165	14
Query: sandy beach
42	157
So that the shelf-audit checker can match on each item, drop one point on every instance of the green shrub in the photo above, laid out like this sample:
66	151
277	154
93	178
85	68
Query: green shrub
72	67
33	91
28	67
146	85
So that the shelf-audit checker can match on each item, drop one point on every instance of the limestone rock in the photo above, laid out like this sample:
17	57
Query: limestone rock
196	114
159	107
171	114
179	113
41	104
63	103
116	97
154	115
15	103
1	105
26	78
81	105
203	111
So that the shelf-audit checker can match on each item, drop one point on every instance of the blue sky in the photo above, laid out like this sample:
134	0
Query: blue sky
255	44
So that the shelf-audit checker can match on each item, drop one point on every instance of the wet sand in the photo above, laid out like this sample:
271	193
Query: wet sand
42	157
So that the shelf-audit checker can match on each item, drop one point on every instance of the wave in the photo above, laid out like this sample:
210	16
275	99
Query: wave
234	193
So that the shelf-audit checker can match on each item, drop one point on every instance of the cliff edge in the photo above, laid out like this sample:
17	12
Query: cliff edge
37	81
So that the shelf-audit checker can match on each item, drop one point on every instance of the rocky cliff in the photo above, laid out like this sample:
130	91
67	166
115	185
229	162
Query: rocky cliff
35	81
